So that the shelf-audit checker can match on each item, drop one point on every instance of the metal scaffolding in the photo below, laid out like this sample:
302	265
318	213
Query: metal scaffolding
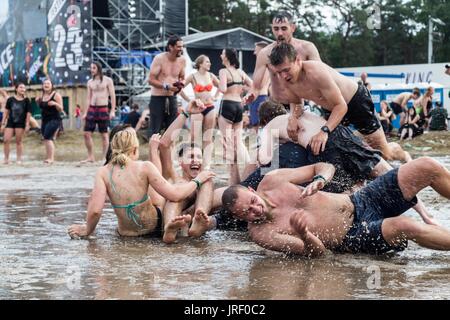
118	41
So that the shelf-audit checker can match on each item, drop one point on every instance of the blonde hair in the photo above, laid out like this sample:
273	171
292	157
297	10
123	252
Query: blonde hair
199	61
122	145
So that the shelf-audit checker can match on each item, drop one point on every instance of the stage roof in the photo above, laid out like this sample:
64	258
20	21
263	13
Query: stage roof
237	38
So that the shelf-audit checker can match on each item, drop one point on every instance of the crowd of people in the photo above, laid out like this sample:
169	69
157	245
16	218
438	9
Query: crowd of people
318	179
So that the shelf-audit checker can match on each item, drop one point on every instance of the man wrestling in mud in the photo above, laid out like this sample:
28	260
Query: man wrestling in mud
285	217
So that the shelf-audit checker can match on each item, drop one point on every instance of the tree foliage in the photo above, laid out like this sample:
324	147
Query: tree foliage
400	38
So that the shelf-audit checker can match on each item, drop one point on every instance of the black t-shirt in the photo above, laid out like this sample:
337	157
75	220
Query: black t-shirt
132	118
18	110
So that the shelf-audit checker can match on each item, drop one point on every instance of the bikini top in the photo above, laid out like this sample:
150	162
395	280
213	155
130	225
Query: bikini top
200	88
234	83
129	208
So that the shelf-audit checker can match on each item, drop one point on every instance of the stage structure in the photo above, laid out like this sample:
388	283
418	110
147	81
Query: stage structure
123	28
60	38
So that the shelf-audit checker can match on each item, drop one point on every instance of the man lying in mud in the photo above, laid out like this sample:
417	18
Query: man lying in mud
354	161
286	217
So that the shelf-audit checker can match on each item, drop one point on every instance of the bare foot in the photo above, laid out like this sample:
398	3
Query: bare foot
19	162
6	162
48	161
88	160
200	224
172	227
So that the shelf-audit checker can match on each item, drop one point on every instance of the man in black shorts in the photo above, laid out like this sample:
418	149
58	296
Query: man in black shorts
166	79
347	101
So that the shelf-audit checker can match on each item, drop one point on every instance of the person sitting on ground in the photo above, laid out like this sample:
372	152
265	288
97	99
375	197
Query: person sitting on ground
133	117
386	117
286	217
423	107
191	162
126	182
438	118
411	128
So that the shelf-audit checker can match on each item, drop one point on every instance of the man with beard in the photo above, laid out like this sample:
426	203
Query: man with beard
286	217
167	79
99	90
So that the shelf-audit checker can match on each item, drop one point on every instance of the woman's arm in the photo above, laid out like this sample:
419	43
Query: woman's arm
223	81
94	210
174	193
216	83
187	82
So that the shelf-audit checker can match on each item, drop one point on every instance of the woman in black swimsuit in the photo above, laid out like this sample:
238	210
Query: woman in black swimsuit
232	82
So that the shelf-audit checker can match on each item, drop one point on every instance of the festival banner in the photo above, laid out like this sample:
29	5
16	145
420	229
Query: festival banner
64	55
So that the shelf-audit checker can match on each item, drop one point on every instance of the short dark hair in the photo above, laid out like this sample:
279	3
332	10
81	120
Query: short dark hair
187	146
269	110
416	91
232	57
281	52
172	41
230	196
280	16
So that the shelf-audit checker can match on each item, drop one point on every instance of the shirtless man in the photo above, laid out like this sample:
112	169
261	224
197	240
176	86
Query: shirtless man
347	101
190	160
400	104
99	89
283	29
263	92
353	160
285	217
363	80
167	79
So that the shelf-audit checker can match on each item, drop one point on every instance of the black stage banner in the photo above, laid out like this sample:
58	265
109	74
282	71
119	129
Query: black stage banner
64	54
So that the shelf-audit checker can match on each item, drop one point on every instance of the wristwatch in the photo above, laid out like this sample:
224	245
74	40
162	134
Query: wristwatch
325	129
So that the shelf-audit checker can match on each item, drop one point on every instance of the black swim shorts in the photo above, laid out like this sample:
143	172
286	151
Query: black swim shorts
361	112
353	159
379	200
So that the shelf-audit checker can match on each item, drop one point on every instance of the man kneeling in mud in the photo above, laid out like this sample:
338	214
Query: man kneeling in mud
285	217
